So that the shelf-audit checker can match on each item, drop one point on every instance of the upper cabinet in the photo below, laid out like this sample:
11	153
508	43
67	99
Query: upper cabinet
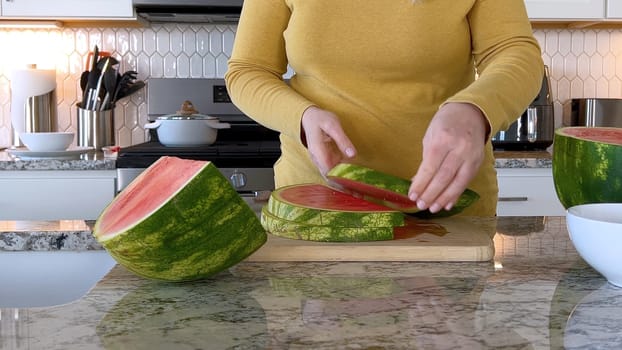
565	10
614	9
67	9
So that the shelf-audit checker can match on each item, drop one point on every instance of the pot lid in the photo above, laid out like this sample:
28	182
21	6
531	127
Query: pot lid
187	112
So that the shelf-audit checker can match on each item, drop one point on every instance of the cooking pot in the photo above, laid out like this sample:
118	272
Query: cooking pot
187	128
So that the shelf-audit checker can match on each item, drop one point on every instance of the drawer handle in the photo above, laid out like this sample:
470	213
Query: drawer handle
513	199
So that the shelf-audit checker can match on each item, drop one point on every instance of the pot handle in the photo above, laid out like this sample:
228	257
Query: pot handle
217	125
153	125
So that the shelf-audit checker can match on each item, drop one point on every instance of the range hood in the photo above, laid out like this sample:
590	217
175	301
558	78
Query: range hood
189	11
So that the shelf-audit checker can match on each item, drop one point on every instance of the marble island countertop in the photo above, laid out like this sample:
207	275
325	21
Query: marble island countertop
537	293
96	161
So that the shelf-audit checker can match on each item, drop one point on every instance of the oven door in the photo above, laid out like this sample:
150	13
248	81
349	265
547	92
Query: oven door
255	183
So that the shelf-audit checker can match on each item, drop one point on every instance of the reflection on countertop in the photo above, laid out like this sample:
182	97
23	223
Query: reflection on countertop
536	293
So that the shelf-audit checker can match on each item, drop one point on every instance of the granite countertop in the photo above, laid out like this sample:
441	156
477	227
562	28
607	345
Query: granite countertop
96	161
86	161
537	293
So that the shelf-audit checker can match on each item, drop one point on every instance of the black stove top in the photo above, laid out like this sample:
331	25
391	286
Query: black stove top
224	154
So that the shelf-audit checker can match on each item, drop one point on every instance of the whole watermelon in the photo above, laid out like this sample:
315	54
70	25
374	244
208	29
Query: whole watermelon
179	220
587	165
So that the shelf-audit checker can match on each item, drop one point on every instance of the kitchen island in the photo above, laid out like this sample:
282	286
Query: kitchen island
536	293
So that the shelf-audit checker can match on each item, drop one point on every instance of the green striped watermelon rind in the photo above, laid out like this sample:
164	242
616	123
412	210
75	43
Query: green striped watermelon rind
321	233
389	190
205	228
296	203
587	165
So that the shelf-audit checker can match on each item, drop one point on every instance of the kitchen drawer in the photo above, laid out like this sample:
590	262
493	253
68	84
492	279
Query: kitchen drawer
527	192
55	195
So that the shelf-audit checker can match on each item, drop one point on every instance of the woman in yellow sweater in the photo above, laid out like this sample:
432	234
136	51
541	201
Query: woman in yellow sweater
389	85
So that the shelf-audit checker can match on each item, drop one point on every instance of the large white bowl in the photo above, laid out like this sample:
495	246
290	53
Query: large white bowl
47	141
596	233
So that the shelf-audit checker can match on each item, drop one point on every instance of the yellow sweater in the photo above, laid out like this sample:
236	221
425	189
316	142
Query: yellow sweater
384	67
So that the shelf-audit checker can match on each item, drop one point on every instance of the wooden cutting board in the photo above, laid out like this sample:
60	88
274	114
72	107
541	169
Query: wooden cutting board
448	239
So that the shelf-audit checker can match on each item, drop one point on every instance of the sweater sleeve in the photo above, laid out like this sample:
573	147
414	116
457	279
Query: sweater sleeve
508	60
256	67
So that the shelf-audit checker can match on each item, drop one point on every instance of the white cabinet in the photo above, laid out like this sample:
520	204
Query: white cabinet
55	195
614	9
527	192
67	9
564	10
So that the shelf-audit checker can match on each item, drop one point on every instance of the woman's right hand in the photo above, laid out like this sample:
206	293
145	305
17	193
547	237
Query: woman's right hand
327	143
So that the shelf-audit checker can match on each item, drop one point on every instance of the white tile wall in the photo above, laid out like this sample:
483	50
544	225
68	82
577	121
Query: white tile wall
582	62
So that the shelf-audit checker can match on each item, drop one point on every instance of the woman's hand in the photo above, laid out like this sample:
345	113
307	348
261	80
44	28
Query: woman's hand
453	150
327	143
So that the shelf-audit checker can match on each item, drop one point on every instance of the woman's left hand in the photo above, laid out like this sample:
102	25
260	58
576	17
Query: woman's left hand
453	150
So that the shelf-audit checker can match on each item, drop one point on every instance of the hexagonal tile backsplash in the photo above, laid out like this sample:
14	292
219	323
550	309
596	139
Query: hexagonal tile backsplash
582	63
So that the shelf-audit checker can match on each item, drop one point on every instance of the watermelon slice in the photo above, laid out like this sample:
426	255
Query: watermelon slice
388	190
179	220
316	204
587	165
323	233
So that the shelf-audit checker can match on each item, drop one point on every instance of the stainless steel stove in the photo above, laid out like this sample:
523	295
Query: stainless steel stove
245	153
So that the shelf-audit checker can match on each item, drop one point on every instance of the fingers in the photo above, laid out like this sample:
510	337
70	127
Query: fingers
327	143
453	150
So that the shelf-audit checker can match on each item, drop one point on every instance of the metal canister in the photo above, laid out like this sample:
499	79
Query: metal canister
95	128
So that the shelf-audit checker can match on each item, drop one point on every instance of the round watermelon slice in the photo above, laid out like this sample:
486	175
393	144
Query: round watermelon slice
315	204
322	233
179	220
587	165
388	190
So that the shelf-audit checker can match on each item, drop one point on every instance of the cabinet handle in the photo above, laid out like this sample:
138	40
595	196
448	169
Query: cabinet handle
513	199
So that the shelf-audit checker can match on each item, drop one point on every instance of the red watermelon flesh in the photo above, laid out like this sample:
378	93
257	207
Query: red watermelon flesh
602	135
136	202
322	197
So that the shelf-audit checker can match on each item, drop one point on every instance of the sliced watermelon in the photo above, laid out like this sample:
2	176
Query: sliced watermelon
323	233
316	204
388	190
179	220
587	165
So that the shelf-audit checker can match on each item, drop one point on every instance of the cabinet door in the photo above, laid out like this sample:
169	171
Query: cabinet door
55	195
527	192
565	9
614	9
67	9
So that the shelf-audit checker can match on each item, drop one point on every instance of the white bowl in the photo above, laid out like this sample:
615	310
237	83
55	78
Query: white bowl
596	233
47	141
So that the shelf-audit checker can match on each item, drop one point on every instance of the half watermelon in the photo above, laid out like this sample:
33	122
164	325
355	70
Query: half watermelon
587	165
179	220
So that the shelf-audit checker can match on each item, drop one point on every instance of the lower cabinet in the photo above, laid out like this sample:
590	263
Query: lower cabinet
83	194
527	192
55	195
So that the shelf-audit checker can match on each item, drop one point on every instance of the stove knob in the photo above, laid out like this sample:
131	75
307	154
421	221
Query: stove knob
238	179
